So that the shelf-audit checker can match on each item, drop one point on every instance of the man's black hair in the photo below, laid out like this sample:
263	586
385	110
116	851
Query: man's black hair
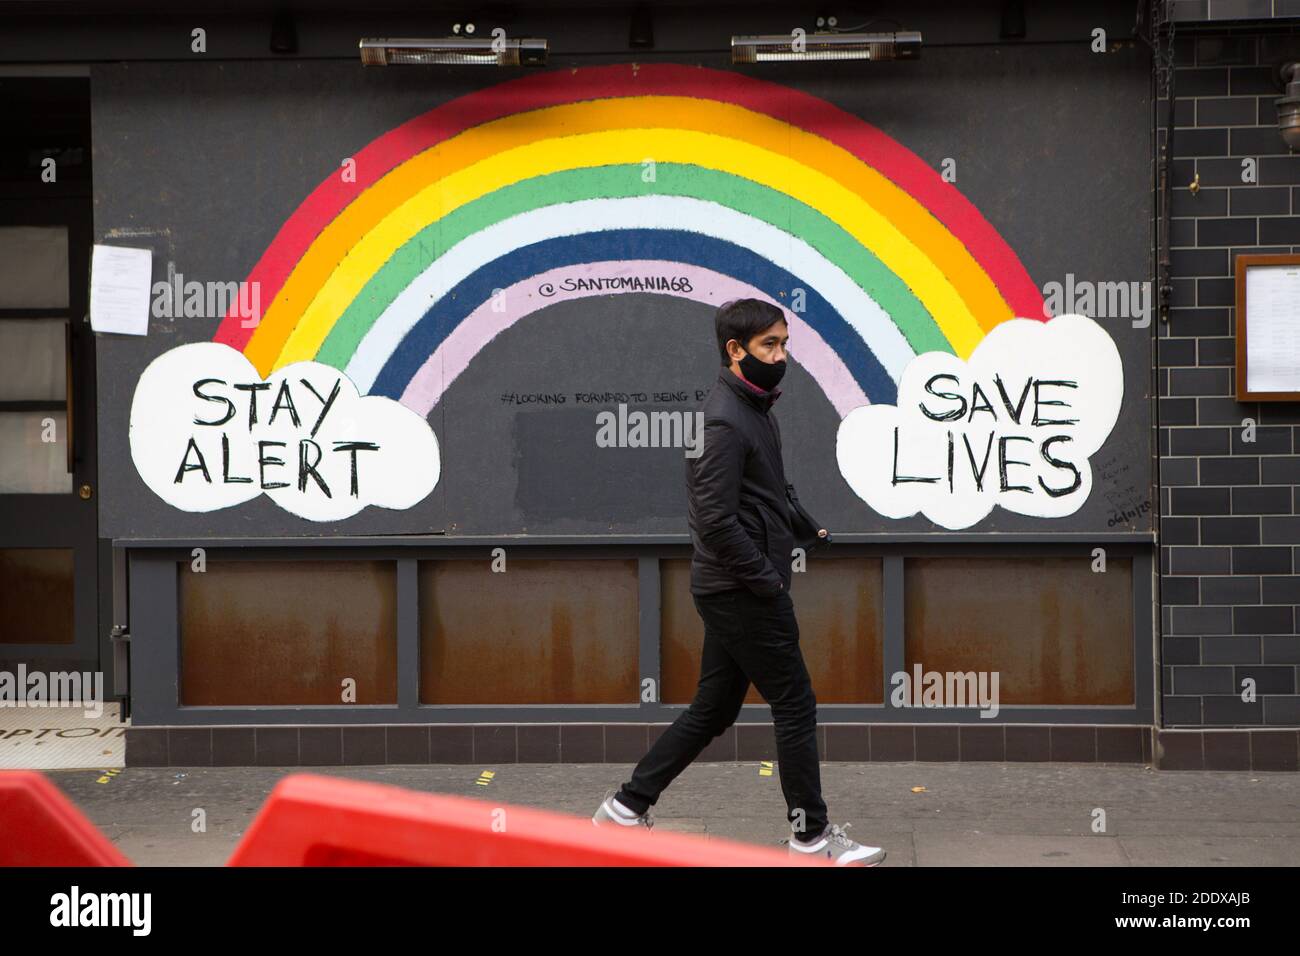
742	319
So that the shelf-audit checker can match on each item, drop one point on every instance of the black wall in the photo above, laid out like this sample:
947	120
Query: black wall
204	161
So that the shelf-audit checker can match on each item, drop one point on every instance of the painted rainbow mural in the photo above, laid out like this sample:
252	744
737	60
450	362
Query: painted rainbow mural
470	217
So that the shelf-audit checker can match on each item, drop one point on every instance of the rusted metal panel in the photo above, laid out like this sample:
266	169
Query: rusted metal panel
1056	631
278	632
541	632
839	605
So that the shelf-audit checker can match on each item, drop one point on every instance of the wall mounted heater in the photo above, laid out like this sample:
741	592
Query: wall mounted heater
784	47
455	51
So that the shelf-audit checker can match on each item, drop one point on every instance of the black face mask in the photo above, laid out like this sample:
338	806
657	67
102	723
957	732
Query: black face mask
765	375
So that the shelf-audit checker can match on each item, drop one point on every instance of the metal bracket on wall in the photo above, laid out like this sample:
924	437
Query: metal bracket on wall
121	640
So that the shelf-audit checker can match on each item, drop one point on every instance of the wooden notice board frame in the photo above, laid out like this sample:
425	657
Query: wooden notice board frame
1243	264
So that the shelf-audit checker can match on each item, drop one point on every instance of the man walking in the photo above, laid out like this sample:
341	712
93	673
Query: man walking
745	520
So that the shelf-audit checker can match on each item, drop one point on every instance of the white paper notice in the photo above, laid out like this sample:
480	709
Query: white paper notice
119	289
1273	328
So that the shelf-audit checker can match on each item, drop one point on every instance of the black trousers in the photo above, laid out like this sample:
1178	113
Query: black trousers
746	638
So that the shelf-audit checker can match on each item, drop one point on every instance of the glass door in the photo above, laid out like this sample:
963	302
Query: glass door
49	574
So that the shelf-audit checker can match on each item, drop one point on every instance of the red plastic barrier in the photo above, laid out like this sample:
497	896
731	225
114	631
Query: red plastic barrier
39	826
312	820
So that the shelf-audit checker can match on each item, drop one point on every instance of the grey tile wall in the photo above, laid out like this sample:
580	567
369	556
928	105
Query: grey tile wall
1230	526
484	746
1224	10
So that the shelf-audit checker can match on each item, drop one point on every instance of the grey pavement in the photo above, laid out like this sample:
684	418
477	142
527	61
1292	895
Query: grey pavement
969	814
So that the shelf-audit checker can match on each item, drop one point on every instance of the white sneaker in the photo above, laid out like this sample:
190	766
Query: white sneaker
606	814
835	844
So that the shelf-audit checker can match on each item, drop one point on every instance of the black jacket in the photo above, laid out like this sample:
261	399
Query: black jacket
744	517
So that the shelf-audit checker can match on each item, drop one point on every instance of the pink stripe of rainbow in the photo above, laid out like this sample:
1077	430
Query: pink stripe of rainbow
523	298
